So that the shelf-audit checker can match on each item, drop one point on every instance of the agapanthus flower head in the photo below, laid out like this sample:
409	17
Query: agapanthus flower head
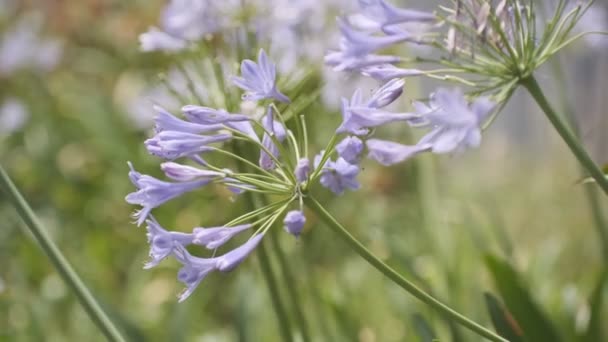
258	80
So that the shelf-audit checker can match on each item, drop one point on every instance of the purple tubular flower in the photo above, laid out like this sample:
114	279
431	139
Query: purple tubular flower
338	176
358	44
388	72
215	237
302	170
456	124
184	173
386	94
152	192
166	121
384	13
174	144
232	259
341	61
294	222
208	116
350	149
388	153
357	120
195	269
277	130
259	80
157	40
162	242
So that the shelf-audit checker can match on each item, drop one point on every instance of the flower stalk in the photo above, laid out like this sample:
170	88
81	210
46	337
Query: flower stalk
59	261
405	284
565	132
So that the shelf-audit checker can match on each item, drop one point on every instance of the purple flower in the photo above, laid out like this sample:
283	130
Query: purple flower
232	259
302	170
152	192
278	131
358	119
350	149
215	237
387	72
194	270
174	144
358	44
384	13
455	123
166	121
184	173
338	176
258	80
341	61
294	222
162	242
389	153
386	94
157	40
208	116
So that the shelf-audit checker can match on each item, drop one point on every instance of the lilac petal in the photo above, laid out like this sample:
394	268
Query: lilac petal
215	237
386	94
232	259
302	170
294	222
388	153
194	270
350	149
388	72
184	173
166	121
162	242
205	115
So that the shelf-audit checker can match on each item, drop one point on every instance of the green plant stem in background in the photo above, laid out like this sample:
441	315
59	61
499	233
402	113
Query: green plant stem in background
291	288
590	191
396	277
565	132
86	298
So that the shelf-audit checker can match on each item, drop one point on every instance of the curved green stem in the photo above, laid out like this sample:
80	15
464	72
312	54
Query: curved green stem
564	131
61	264
396	277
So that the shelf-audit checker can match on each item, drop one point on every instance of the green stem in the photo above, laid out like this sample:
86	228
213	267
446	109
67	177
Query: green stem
61	264
267	272
396	277
569	137
291	288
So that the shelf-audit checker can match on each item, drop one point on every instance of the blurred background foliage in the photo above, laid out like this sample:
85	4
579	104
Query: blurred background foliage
504	226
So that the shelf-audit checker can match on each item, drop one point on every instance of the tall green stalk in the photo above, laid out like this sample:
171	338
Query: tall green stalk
61	264
396	277
565	132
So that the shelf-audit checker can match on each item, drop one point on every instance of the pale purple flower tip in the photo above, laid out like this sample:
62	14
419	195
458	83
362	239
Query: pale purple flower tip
357	44
184	173
294	222
387	72
339	175
171	145
194	270
215	237
162	242
157	40
341	61
384	13
350	149
456	124
302	170
356	120
166	121
232	259
152	192
386	94
207	116
389	153
278	131
258	79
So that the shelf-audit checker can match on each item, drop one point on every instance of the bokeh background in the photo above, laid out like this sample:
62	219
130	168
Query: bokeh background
76	96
